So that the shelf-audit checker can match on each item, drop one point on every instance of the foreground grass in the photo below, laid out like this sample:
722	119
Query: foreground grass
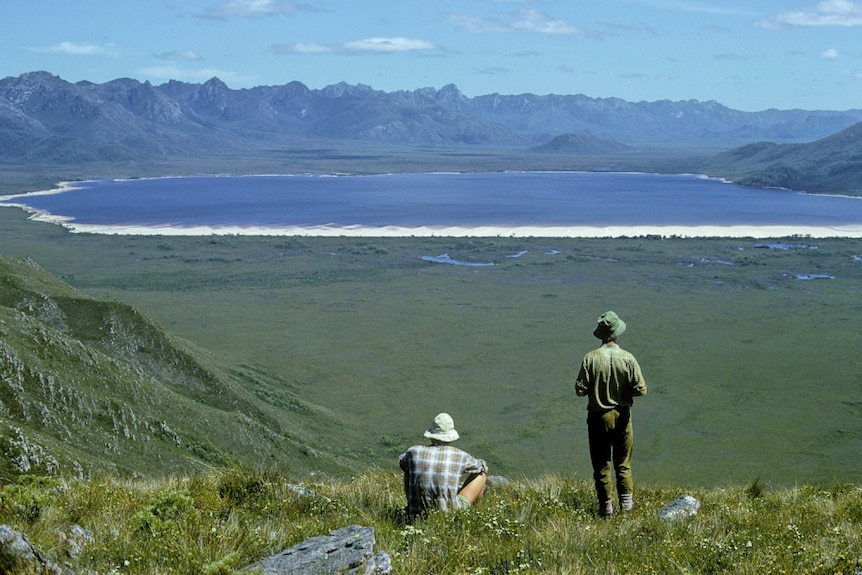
229	519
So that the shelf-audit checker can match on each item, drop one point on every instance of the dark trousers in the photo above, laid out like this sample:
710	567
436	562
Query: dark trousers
611	439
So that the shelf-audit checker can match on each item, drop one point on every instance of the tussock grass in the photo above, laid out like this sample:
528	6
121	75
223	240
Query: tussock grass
221	522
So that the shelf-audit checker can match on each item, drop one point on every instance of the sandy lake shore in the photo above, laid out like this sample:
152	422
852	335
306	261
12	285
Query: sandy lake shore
483	231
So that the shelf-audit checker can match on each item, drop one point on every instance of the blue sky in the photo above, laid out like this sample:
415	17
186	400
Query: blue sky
744	54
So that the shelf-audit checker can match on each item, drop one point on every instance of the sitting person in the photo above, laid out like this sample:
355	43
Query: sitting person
432	473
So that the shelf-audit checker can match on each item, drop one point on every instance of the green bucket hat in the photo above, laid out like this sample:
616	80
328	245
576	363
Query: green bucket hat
609	327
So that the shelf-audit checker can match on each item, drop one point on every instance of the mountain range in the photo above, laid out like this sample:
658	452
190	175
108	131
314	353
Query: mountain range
47	120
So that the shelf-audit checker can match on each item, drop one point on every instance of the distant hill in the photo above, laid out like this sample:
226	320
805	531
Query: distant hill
88	385
46	119
832	164
580	144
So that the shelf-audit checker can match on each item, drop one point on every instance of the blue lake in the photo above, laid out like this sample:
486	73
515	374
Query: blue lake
500	203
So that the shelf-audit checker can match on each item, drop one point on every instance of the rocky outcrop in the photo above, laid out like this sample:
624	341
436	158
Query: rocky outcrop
680	508
349	550
17	555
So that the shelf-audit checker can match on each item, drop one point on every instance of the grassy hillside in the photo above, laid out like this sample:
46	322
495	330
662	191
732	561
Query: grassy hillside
751	351
219	523
89	385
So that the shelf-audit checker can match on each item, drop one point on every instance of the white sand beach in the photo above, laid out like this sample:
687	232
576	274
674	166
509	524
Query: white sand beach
757	232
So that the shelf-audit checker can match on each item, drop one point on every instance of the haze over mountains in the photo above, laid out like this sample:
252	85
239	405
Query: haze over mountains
45	119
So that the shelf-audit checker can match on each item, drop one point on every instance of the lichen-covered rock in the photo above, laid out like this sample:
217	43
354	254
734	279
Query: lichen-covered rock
17	555
349	550
685	506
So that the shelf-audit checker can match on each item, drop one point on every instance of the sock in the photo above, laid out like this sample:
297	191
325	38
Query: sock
626	502
606	508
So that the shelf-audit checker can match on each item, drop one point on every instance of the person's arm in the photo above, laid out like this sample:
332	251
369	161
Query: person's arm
582	385
639	386
472	465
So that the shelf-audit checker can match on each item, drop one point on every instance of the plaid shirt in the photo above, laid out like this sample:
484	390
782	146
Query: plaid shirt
432	476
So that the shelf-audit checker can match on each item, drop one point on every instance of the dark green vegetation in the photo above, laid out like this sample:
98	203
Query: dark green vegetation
832	164
219	523
357	343
89	384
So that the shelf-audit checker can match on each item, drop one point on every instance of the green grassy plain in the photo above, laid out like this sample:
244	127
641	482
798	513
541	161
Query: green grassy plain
753	373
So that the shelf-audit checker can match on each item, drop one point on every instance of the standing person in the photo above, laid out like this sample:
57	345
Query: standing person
610	378
432	473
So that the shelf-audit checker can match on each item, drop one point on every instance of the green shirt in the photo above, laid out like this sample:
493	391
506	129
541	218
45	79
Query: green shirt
610	377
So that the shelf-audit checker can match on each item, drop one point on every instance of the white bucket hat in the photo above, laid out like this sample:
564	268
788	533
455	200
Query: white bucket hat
443	429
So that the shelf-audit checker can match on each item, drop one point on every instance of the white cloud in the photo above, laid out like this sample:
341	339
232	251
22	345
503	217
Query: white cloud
165	73
180	56
530	21
697	7
79	49
252	9
377	45
399	44
830	54
476	23
541	23
627	28
304	48
825	13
